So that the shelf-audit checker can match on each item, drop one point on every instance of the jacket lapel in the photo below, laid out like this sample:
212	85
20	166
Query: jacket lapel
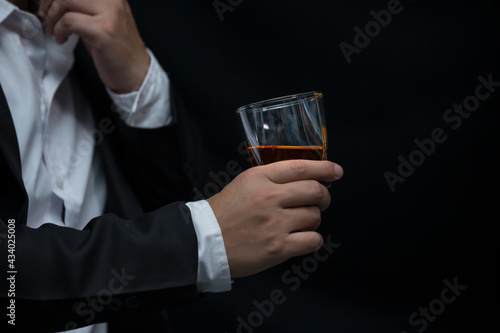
8	138
13	197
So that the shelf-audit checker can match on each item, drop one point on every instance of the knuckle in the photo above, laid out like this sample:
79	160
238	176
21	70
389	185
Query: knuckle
315	217
244	180
312	218
299	168
315	213
252	173
316	190
65	20
265	195
116	12
106	23
53	10
108	28
275	248
124	3
117	8
328	199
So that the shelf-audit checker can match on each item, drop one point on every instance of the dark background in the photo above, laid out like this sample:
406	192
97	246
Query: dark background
396	248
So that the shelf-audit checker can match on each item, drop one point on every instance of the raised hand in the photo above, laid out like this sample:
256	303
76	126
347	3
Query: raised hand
109	32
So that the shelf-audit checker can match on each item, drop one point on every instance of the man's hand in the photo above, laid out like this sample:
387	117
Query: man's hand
108	30
268	214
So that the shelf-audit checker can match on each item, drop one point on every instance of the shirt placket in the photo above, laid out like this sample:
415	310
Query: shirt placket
35	42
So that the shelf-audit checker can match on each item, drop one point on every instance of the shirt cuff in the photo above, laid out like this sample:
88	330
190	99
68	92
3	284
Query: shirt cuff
213	267
148	107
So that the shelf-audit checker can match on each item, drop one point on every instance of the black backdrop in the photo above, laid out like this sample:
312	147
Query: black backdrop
397	248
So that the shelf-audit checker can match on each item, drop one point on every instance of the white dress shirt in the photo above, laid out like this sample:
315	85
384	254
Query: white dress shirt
57	138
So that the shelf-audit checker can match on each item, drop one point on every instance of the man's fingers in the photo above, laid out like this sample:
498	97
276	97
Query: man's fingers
44	7
304	242
77	23
295	170
54	10
305	193
52	7
302	219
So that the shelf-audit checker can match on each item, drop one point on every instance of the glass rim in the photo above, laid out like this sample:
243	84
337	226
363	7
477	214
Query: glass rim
279	102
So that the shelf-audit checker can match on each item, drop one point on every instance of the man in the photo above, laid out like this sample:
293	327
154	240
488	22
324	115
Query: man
90	241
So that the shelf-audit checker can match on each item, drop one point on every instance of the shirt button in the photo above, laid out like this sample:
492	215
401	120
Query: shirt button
139	117
30	27
59	182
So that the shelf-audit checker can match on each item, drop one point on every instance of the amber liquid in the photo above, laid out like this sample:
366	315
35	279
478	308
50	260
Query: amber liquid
268	154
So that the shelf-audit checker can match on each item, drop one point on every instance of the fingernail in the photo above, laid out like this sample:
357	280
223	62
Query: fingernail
339	172
320	243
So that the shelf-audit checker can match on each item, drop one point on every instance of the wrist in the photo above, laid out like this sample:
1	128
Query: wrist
136	75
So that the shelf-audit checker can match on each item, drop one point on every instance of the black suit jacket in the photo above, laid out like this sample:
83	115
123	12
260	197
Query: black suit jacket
125	267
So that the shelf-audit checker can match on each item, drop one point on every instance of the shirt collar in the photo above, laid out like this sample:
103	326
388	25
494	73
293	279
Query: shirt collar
27	23
23	22
6	8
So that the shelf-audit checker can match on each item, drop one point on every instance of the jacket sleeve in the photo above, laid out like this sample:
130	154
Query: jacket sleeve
160	165
65	278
